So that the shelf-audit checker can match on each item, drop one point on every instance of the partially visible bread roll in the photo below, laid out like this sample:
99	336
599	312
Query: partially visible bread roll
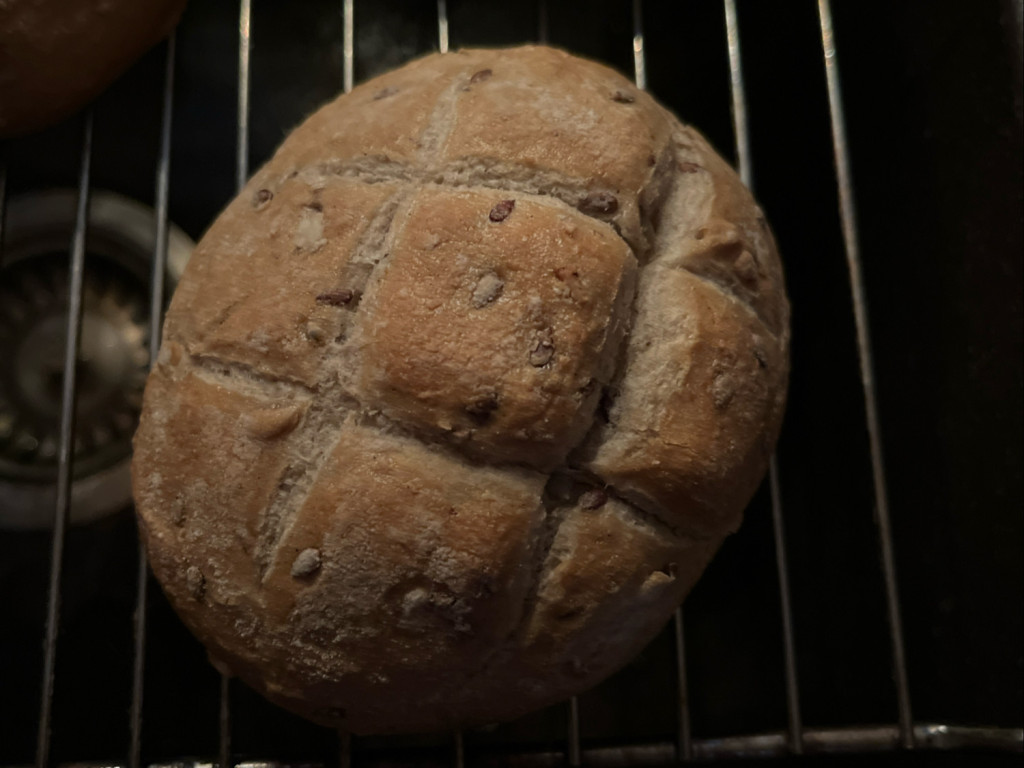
460	395
58	55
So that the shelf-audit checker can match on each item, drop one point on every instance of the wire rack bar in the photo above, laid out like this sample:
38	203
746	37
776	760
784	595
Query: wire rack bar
848	215
739	95
442	25
683	746
460	750
242	140
788	644
574	732
442	44
639	63
348	45
241	175
66	452
818	741
742	134
684	740
3	200
156	302
224	723
542	22
344	749
348	83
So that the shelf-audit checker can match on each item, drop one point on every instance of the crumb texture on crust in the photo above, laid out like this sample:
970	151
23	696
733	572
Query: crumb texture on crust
461	393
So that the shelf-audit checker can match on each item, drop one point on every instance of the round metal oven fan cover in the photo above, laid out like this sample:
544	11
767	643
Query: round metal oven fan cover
113	357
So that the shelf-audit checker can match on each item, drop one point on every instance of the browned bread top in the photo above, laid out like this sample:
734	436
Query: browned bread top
459	396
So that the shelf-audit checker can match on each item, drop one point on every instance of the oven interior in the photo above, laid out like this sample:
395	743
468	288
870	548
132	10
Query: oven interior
931	95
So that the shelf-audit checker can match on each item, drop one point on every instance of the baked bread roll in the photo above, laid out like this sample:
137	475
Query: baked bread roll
58	55
459	396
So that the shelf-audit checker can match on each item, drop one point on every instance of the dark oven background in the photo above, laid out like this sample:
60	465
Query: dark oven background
932	93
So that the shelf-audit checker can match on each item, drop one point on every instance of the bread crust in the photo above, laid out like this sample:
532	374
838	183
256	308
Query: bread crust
58	55
503	348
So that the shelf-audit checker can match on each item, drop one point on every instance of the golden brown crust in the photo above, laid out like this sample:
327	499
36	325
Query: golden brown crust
419	577
280	326
496	320
390	119
584	122
57	55
546	368
711	226
698	407
212	469
702	391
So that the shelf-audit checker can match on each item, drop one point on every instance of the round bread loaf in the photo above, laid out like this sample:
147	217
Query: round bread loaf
57	55
459	396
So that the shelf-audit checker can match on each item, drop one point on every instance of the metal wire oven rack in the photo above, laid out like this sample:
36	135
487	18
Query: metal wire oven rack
906	733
